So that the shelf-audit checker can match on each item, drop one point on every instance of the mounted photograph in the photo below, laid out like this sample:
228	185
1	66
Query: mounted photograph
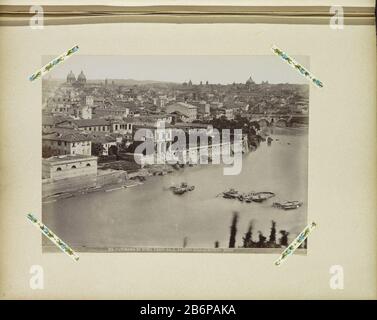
175	153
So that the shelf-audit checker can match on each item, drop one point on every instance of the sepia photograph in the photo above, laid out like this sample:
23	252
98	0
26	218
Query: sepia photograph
198	153
175	153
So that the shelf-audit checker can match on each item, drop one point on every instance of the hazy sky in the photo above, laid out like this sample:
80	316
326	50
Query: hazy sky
215	69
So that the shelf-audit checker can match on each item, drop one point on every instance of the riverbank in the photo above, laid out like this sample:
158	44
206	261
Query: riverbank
139	176
133	180
152	217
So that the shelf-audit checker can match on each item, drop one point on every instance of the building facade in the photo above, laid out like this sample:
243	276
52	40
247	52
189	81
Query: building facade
64	167
188	110
67	142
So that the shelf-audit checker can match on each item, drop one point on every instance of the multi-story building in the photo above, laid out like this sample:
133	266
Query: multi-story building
66	142
188	110
123	127
204	108
83	112
92	124
101	112
160	134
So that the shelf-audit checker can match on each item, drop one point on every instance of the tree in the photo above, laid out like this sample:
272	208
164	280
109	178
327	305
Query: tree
284	238
97	149
233	231
262	240
272	239
113	150
255	125
247	239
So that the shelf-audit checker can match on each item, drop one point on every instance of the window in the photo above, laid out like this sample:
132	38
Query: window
59	143
73	167
58	169
88	164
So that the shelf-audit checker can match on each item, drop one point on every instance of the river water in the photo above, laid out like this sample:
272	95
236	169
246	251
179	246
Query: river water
150	215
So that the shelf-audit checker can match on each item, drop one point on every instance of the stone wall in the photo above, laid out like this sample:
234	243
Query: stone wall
105	177
50	187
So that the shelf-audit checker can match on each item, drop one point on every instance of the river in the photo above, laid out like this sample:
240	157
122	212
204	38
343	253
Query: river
150	215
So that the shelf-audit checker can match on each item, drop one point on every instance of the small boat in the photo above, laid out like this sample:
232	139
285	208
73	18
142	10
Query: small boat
191	188
231	194
287	205
182	188
179	191
247	198
261	196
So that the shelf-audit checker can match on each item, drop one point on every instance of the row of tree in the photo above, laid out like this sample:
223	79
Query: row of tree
262	242
250	128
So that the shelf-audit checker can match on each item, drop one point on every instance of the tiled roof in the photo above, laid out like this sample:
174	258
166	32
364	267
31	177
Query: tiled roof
52	120
124	121
192	125
177	112
150	125
98	137
67	135
182	104
91	122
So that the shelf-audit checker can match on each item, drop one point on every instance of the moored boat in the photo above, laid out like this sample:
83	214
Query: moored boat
261	196
247	197
231	194
179	191
287	205
182	188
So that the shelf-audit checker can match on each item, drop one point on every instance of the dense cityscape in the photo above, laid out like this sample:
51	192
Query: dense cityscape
88	126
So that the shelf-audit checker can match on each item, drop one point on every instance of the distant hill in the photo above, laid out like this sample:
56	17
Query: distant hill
131	82
125	82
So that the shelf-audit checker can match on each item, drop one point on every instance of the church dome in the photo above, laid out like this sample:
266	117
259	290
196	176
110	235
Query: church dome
71	77
250	81
81	77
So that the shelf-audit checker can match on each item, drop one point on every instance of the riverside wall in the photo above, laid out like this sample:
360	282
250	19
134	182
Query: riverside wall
74	184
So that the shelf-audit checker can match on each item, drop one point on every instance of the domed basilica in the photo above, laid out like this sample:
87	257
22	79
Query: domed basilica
81	79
